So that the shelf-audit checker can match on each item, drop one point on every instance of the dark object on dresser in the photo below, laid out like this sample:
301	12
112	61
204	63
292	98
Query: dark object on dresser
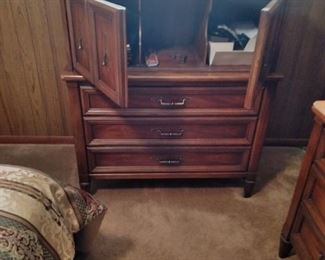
304	229
182	119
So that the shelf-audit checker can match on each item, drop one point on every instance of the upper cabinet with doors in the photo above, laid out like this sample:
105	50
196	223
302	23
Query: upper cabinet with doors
98	35
112	40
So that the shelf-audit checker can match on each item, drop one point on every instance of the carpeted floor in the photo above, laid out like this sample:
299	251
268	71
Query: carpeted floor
186	220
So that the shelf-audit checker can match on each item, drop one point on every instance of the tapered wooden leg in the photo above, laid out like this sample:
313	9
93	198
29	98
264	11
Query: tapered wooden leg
285	248
92	188
249	188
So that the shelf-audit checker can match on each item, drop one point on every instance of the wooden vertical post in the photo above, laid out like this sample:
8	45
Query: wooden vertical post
310	156
261	128
78	131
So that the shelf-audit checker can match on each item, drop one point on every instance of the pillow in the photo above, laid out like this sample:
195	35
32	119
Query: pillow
90	213
38	217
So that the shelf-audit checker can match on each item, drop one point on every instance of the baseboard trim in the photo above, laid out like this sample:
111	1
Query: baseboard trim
10	139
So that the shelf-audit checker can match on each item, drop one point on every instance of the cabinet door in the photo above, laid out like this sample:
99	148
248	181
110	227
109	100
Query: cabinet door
80	37
107	26
266	49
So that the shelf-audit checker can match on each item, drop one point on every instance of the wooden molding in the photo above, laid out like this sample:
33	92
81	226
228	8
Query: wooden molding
7	139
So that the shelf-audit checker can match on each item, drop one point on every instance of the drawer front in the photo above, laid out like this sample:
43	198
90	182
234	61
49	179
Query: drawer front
317	194
167	159
176	131
320	153
307	244
314	193
309	232
169	101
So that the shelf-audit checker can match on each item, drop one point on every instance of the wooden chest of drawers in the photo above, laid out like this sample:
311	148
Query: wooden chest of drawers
305	225
170	132
181	119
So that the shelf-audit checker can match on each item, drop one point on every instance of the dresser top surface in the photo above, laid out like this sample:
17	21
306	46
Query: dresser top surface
319	109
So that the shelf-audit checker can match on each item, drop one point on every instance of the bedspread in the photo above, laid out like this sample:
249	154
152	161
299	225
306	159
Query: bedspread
36	219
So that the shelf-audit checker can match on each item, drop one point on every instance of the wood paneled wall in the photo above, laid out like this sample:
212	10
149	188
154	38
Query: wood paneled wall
302	61
34	49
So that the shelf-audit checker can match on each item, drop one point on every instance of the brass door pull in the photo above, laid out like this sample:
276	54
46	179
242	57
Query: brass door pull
179	133
105	60
164	104
171	162
80	45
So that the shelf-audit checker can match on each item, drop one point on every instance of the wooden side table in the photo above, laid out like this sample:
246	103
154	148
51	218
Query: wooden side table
304	229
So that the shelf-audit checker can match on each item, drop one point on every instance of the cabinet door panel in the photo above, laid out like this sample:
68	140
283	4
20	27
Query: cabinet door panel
265	49
80	38
107	24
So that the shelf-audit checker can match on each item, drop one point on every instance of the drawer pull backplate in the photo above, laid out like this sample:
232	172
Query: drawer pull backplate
170	134
171	162
165	104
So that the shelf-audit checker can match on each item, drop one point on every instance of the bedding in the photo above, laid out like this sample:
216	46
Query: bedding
37	218
90	214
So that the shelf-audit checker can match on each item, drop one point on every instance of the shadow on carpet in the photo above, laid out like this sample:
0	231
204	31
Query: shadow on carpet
194	220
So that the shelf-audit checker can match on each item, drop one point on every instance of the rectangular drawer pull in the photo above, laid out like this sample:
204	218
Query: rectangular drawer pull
179	104
179	133
170	162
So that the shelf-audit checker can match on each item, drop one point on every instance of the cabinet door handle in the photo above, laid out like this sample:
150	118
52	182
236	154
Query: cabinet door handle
80	45
172	104
179	133
105	60
105	42
172	162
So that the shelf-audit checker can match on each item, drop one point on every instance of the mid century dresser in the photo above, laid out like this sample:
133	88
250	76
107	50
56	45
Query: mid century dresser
304	228
183	118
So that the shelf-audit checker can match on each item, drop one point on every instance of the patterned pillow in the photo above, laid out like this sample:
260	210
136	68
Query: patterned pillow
36	218
90	213
86	207
39	217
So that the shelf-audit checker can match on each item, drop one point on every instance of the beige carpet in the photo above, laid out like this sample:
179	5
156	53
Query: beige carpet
186	220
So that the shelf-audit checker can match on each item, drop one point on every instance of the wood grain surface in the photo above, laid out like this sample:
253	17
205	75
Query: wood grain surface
34	50
302	61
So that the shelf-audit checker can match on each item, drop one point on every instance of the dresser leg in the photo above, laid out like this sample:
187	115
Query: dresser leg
92	187
248	188
285	248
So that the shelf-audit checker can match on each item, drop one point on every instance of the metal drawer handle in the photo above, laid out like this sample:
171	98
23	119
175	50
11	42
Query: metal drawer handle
80	45
171	162
172	104
179	133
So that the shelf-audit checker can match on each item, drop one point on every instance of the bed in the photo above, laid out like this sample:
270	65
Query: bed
43	213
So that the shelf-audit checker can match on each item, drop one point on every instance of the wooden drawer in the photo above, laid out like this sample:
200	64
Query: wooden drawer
176	131
170	101
309	241
317	190
307	245
167	159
